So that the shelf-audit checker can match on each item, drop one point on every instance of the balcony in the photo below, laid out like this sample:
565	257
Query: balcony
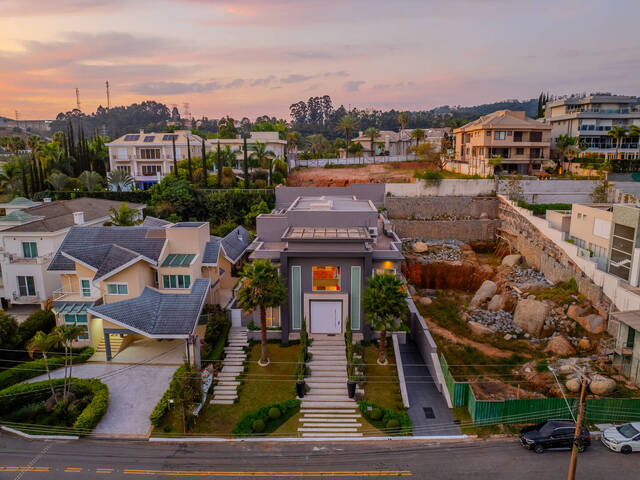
16	297
40	260
62	295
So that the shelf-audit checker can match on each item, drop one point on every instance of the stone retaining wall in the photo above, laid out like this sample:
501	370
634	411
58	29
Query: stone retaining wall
427	208
464	230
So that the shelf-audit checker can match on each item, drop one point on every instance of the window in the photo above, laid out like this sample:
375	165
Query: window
30	249
535	136
488	133
355	297
498	135
124	168
176	281
26	286
519	151
296	294
151	170
85	286
273	316
150	153
80	320
631	337
117	289
326	279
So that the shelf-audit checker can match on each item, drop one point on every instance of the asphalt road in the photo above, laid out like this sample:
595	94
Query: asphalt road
496	459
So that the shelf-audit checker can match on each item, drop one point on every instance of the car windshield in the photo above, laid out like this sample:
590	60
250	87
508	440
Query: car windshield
627	430
546	429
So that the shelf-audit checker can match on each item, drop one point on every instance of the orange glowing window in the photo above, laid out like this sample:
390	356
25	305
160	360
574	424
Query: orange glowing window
326	279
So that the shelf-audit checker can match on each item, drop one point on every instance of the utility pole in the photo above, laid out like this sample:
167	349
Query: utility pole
108	95
576	437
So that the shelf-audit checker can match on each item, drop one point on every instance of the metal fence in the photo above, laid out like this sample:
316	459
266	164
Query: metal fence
362	160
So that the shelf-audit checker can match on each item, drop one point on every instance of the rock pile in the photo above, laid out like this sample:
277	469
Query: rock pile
526	277
499	321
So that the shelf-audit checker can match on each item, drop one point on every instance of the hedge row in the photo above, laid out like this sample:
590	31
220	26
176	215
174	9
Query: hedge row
161	408
19	395
541	208
27	370
138	196
244	427
404	425
216	337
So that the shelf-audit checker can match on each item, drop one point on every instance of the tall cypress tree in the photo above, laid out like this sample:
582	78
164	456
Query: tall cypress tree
189	159
42	185
246	164
25	186
175	162
204	165
219	165
35	181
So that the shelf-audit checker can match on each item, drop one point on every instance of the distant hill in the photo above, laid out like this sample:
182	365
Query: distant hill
529	106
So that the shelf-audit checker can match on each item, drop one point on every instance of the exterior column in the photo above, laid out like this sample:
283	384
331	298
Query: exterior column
366	275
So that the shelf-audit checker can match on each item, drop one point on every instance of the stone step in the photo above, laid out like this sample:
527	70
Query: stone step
341	411
328	419
233	363
329	435
225	388
313	385
328	357
328	368
315	404
328	363
346	416
232	369
225	396
228	383
316	396
337	348
327	430
315	426
234	349
221	402
328	377
331	392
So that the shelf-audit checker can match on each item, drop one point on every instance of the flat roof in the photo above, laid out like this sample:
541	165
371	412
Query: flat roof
326	233
333	204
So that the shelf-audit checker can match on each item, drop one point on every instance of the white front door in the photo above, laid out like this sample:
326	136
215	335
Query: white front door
326	317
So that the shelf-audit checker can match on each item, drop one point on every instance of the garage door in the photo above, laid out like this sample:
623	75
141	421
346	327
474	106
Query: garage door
326	317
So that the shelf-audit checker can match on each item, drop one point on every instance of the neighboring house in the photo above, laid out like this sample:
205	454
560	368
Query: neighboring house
30	237
272	142
624	256
624	327
590	230
149	281
523	144
326	248
17	204
399	143
148	157
590	118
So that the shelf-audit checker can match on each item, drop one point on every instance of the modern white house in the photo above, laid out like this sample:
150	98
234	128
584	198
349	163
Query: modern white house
272	142
31	238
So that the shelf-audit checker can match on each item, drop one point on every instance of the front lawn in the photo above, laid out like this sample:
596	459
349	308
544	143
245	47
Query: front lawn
382	386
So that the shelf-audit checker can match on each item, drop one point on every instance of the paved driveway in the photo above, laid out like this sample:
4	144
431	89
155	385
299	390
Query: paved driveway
133	392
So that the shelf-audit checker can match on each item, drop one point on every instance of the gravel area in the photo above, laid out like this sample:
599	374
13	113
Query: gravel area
527	277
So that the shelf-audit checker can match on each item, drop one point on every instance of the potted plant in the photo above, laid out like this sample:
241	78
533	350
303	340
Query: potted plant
301	386
351	383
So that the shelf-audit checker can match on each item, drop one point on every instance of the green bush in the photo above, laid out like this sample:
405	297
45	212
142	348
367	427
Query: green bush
393	424
541	208
161	408
92	414
369	409
42	320
27	370
376	414
244	427
433	177
138	196
224	229
258	426
274	413
216	336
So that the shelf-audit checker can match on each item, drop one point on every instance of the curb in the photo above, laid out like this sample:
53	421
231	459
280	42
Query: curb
38	437
451	438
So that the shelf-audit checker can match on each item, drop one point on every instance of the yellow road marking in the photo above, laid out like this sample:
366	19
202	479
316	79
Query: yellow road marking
104	470
187	473
73	469
25	469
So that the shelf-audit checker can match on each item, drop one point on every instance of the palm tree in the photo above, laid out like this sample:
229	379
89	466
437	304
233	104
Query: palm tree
417	134
318	145
384	302
347	124
120	180
403	119
125	216
11	178
262	288
293	141
618	132
66	335
58	181
263	157
634	131
563	144
43	343
175	160
575	148
90	180
372	133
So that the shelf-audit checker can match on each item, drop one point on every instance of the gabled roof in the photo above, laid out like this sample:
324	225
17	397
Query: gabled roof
156	313
104	259
236	243
503	119
155	222
211	251
98	241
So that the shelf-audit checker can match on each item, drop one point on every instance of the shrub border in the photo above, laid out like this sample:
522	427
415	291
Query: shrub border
243	428
406	427
161	408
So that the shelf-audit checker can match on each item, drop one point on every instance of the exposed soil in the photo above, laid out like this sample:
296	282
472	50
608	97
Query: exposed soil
496	390
453	338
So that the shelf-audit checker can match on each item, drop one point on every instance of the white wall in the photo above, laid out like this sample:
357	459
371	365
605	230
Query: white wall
445	188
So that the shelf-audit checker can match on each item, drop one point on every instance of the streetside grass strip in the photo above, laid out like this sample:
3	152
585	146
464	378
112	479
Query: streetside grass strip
162	407
27	370
245	427
391	422
16	396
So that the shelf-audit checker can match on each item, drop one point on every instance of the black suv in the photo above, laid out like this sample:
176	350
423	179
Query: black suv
553	434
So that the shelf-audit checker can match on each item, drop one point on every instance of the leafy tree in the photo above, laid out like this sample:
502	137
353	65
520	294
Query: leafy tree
356	148
205	172
245	162
187	392
495	161
514	189
125	216
339	143
58	181
43	343
256	209
263	157
634	131
347	124
618	133
403	119
175	160
601	191
318	145
384	301
175	195
227	128
120	180
575	148
261	288
426	152
90	180
9	331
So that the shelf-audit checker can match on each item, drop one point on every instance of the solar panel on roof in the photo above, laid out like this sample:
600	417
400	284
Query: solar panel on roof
170	137
149	138
131	138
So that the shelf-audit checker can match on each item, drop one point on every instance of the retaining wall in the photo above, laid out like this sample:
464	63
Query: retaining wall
444	188
427	208
463	230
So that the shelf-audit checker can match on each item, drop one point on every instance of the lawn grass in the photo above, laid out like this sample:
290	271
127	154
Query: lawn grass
289	428
382	386
260	386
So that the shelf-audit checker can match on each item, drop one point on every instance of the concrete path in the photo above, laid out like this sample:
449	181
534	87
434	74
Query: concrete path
327	410
423	394
133	392
226	390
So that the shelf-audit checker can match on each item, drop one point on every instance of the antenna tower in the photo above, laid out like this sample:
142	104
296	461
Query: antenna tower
108	95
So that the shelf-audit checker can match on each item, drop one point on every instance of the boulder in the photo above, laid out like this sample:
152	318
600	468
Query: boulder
575	311
530	316
601	385
592	323
425	301
560	346
485	292
479	329
574	384
497	302
511	260
420	247
584	344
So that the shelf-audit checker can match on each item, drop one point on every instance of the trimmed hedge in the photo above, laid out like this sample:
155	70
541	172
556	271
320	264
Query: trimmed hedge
17	396
404	422
27	370
42	320
541	208
244	427
216	336
138	196
161	408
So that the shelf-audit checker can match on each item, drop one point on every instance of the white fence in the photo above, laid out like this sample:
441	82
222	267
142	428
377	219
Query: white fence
362	160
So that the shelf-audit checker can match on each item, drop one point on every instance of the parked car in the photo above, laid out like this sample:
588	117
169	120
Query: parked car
552	435
624	438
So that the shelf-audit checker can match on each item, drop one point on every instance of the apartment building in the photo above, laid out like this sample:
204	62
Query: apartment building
148	157
139	285
624	327
272	142
591	117
590	230
522	143
30	237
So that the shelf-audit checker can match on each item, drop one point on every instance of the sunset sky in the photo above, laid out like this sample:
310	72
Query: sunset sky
251	57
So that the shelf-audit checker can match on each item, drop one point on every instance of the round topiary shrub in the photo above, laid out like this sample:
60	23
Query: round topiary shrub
258	426
274	412
376	414
393	424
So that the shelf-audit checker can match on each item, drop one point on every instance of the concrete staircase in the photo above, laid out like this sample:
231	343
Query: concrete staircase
327	410
116	344
226	390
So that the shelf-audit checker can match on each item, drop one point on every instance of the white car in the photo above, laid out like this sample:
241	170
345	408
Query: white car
624	438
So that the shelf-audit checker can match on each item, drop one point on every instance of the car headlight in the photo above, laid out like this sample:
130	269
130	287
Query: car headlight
529	441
